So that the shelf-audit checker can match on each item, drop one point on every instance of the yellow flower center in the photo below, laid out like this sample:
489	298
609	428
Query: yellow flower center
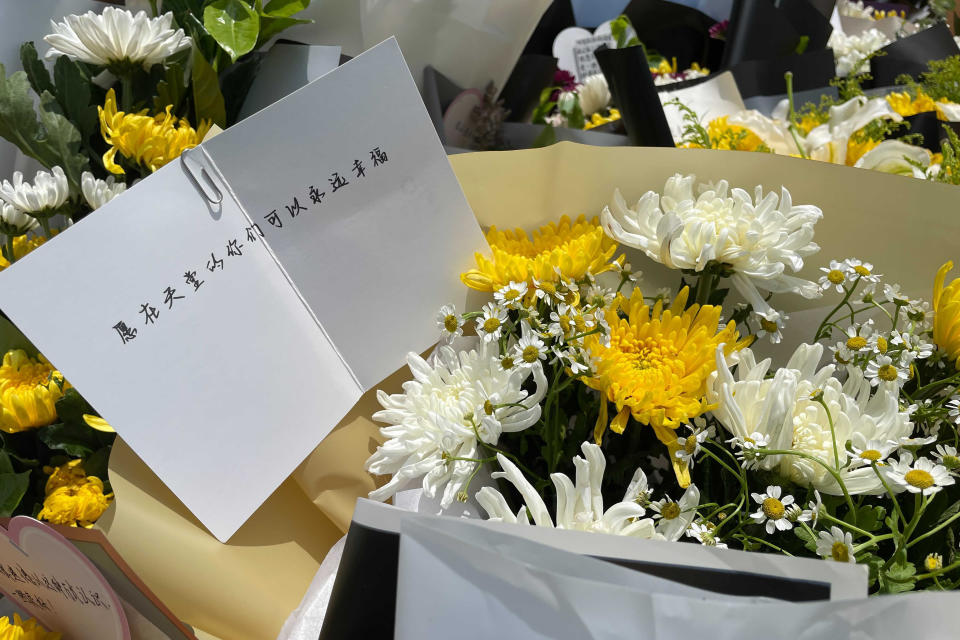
887	372
919	478
507	363
835	276
881	344
690	445
548	287
450	323
766	325
933	562
951	462
840	552
491	324
871	454
670	511
488	407
856	342
772	508
861	270
511	294
836	356
530	354
564	322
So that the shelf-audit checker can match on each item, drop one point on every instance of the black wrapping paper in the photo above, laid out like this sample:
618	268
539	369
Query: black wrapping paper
811	70
930	127
631	85
808	21
521	93
676	31
555	19
758	31
910	55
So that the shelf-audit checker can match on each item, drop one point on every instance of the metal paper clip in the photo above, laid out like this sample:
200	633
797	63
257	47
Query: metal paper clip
213	200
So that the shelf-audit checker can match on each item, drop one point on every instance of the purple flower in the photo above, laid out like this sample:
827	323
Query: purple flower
565	80
719	30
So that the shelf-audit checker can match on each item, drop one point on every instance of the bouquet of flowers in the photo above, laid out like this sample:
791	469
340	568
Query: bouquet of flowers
128	94
870	132
599	405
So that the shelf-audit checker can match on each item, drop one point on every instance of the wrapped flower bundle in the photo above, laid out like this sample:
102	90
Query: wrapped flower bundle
577	398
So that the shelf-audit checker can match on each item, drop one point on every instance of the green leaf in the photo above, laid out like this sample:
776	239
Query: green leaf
36	71
284	8
39	132
5	465
97	463
73	96
208	101
900	572
171	90
270	26
71	408
233	24
13	486
949	512
808	538
75	440
869	518
619	29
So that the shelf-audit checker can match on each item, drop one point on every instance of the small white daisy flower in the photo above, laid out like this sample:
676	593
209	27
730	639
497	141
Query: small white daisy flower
884	369
834	276
878	343
562	322
947	456
704	534
511	296
892	293
746	448
836	545
921	476
598	297
871	451
490	325
858	336
773	509
914	344
933	562
449	322
841	353
815	506
863	270
953	409
771	329
674	517
689	446
529	349
795	513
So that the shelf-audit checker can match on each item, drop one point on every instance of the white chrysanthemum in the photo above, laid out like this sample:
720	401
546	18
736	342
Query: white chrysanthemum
441	413
43	198
759	238
14	222
918	476
829	141
854	9
579	505
848	51
594	94
836	545
116	36
784	408
897	157
99	192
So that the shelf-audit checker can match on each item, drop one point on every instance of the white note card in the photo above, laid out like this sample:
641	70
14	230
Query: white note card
224	340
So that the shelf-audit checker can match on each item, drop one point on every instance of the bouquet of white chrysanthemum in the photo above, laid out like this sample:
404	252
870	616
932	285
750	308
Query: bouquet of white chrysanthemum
599	406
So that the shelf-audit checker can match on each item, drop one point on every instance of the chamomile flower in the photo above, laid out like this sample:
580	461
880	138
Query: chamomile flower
561	321
511	296
892	293
834	276
689	446
704	533
490	325
919	476
675	516
573	359
795	513
842	354
450	322
773	509
885	369
771	328
953	409
530	349
597	296
863	270
815	506
746	448
878	343
912	343
933	562
947	456
836	545
870	452
858	336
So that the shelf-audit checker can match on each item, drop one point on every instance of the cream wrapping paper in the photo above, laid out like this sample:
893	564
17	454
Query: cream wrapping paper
247	588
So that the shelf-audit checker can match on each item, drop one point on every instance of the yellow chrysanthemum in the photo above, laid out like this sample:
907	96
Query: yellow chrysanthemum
597	120
573	248
72	497
656	365
809	122
946	310
856	150
22	245
730	137
907	105
21	629
148	141
29	390
665	67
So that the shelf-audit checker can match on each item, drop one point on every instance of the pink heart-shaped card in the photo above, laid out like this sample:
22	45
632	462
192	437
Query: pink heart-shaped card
49	579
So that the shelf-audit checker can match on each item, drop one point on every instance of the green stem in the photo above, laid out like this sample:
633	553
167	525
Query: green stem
819	334
832	472
843	523
705	286
788	76
934	530
126	86
45	225
769	544
10	257
872	543
833	431
919	505
896	504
